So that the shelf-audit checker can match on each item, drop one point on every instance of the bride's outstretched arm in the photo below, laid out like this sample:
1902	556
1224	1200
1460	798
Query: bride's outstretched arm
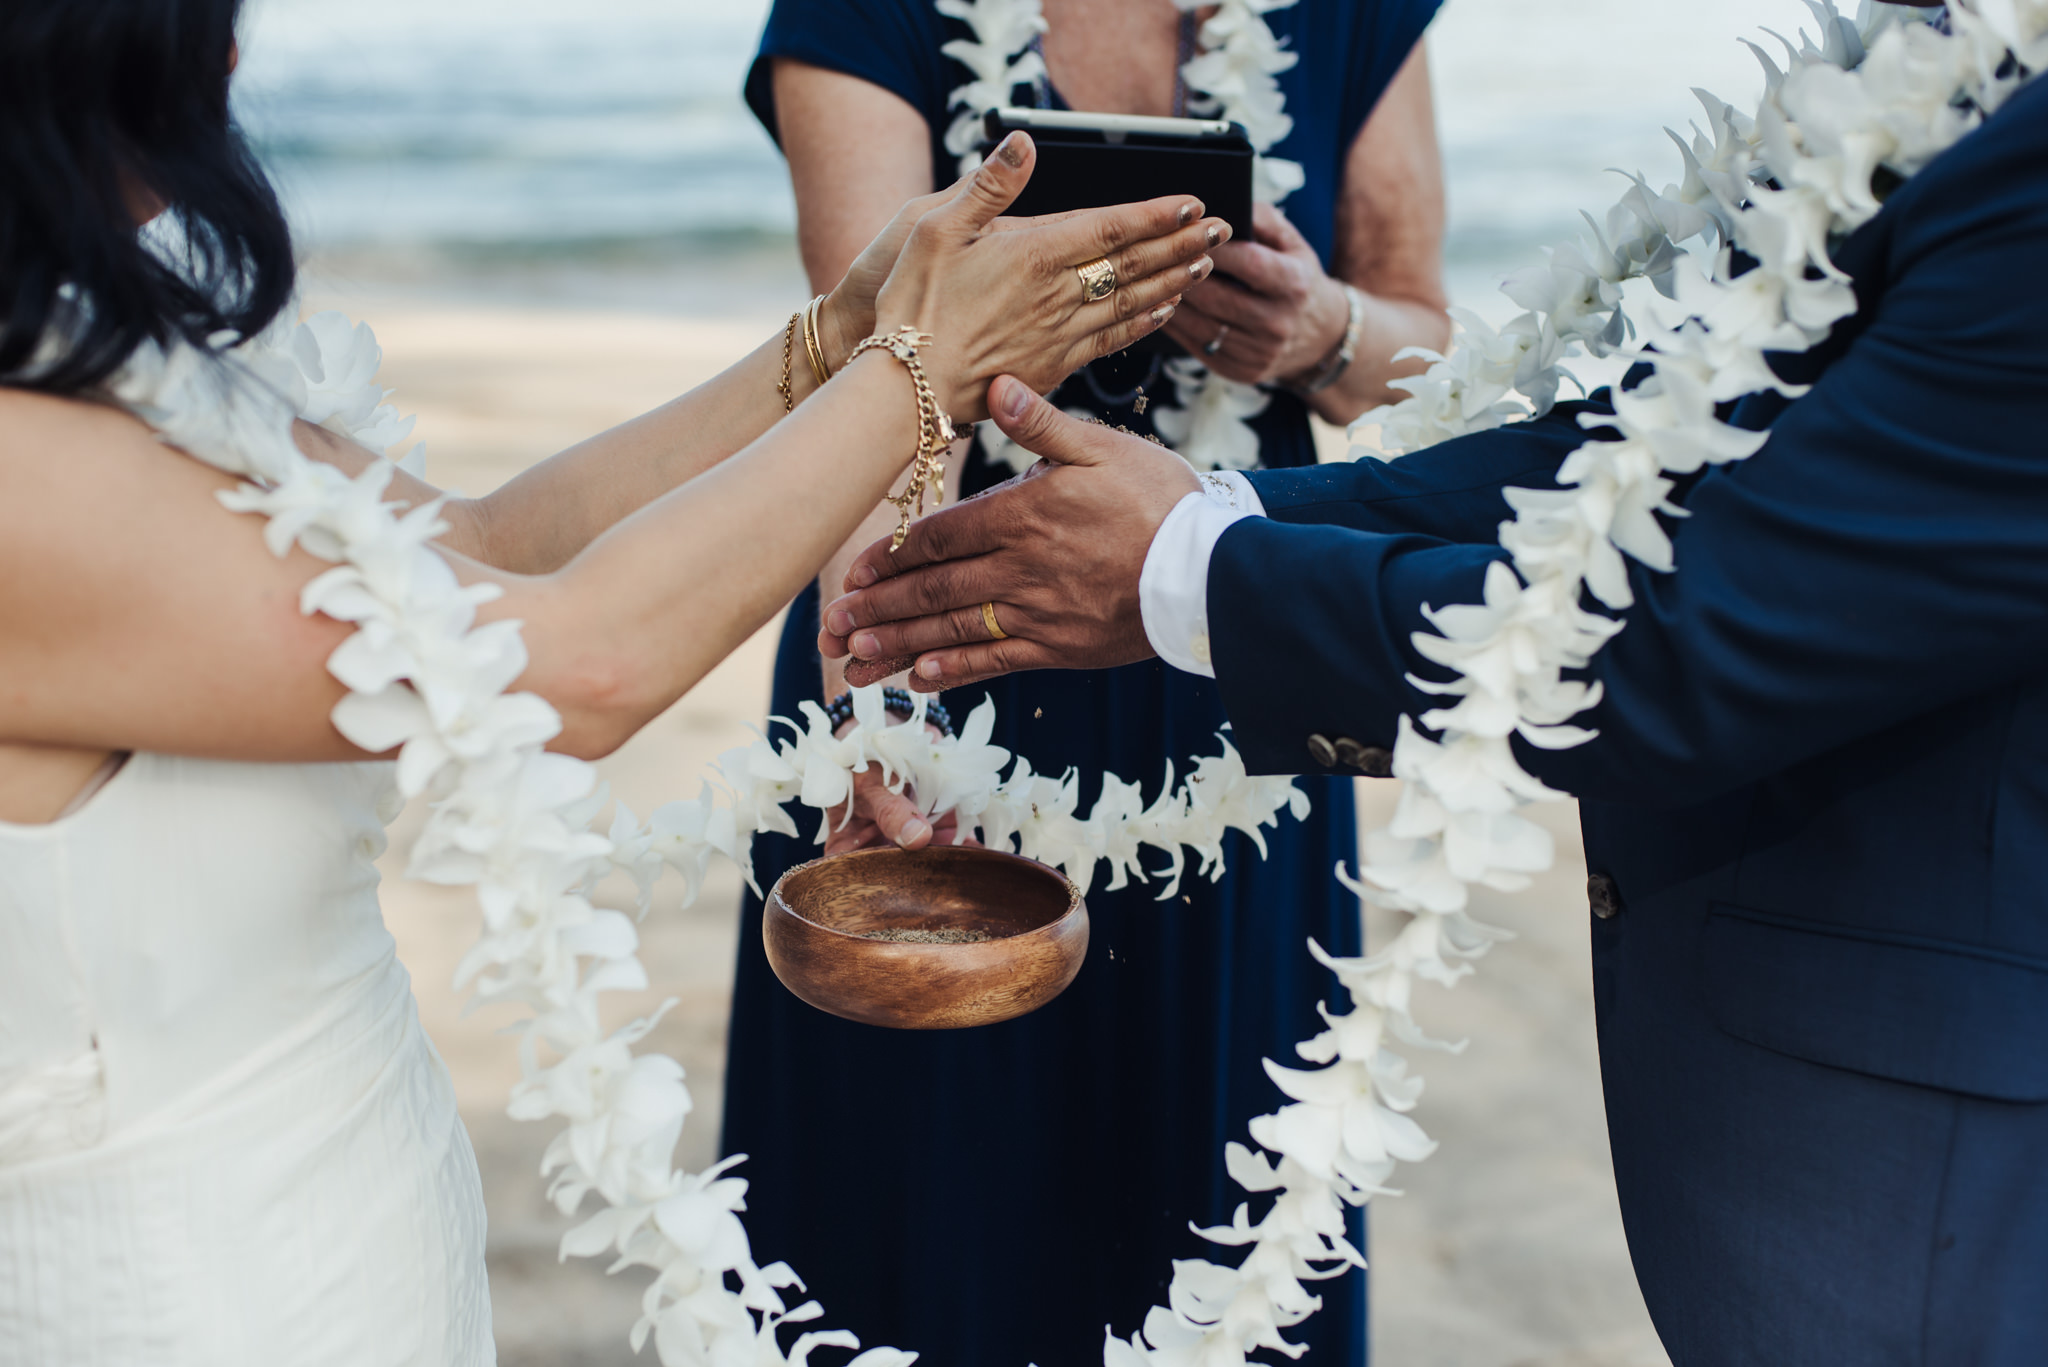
540	520
135	613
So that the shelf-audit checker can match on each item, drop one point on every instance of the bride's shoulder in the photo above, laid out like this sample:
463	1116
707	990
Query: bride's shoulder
50	441
37	428
78	474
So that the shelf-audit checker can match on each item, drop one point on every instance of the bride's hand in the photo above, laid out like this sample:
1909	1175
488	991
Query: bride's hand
848	314
1006	298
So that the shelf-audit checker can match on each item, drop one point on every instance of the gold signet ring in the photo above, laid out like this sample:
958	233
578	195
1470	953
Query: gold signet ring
988	619
1098	280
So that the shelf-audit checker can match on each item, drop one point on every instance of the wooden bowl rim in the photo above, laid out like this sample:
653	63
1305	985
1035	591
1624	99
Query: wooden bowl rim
1074	902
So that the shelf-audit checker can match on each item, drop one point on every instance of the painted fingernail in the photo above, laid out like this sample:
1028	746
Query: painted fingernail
928	668
1201	268
1011	151
913	831
863	576
839	621
1215	234
1162	313
866	646
1190	211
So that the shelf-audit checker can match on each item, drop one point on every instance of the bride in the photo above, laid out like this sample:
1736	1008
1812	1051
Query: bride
223	1137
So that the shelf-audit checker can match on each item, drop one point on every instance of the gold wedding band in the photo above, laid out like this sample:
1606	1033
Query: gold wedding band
1098	280
988	619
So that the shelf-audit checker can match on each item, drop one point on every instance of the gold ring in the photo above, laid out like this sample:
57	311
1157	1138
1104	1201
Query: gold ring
988	619
1098	280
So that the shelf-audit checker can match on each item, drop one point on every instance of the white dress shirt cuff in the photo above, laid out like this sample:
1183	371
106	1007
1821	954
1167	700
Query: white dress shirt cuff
1173	588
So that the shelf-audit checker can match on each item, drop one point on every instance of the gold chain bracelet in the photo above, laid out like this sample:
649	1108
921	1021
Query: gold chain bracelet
934	429
782	386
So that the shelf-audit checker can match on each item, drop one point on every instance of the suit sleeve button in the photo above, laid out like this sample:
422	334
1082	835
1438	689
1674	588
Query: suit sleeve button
1322	752
1374	761
1604	896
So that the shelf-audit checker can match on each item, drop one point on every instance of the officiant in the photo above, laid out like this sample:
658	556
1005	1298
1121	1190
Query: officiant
1816	806
1090	1133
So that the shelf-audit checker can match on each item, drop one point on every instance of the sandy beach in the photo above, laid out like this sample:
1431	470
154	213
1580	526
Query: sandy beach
1505	1251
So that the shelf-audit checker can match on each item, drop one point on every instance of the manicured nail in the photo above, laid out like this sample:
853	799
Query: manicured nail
1011	152
913	831
1201	268
839	621
866	646
928	668
1215	234
1162	313
1190	211
1016	399
863	576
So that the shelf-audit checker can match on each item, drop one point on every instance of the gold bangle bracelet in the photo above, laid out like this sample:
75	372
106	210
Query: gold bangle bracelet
813	347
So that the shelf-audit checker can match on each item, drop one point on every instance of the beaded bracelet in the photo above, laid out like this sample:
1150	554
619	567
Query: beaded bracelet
898	702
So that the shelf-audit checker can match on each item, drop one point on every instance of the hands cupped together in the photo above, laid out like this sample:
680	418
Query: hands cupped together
1056	552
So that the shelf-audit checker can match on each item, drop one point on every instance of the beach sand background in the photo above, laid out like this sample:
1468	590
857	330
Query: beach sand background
558	217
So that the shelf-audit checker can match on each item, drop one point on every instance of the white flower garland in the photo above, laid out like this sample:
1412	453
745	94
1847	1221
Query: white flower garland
1889	92
514	820
1886	92
1235	75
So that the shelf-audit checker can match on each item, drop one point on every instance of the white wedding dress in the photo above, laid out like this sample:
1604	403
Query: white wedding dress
224	1139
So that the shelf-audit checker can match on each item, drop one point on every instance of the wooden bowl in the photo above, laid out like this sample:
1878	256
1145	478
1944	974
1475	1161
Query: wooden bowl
823	918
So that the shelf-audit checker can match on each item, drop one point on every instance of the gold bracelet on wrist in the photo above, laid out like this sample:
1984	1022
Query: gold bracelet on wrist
934	429
813	347
782	386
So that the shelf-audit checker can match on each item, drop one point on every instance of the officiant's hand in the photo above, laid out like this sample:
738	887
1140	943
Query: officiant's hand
1057	552
1007	297
882	818
1269	312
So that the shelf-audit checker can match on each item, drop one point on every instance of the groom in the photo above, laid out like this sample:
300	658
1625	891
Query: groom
1817	804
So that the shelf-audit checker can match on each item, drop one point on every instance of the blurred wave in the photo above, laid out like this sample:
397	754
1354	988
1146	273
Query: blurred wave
612	130
512	124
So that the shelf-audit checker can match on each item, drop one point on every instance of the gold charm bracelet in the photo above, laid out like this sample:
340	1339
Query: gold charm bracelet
934	429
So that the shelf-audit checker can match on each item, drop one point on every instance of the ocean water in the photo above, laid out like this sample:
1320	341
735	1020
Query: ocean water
566	128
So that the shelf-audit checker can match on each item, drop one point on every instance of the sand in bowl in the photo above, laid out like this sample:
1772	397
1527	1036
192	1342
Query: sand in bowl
949	935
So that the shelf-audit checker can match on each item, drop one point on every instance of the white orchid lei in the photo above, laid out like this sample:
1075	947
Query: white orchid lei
1872	103
1235	74
1881	96
515	821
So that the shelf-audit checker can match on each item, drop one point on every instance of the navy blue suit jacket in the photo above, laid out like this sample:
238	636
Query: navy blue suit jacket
1820	785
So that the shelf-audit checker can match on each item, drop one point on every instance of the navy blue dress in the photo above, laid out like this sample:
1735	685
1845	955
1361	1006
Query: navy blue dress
1001	1195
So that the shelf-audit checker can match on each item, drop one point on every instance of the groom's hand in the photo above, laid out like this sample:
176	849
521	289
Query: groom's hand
1056	551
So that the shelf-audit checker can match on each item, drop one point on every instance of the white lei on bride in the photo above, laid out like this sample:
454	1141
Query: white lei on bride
513	820
1235	75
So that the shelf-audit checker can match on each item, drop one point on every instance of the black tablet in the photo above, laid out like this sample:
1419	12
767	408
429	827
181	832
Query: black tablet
1091	161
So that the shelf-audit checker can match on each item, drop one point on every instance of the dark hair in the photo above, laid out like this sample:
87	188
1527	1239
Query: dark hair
100	99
